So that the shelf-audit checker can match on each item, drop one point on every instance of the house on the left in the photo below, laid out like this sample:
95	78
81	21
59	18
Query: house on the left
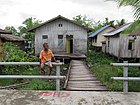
8	37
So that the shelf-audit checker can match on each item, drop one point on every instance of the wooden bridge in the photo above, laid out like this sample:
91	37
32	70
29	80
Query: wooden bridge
80	78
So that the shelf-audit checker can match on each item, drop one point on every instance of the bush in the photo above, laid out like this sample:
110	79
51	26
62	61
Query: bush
13	54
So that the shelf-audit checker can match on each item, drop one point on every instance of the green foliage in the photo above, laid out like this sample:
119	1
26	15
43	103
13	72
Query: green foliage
135	4
28	24
83	20
100	66
6	82
22	30
13	54
13	30
134	27
40	84
120	22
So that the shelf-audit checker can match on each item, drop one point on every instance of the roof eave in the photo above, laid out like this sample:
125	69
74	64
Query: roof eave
59	16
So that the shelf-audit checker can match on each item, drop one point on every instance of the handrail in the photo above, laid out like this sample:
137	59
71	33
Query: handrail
57	77
28	63
125	77
67	77
125	64
32	76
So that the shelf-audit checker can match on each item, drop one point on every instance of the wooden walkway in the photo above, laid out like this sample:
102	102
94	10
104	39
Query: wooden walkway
81	79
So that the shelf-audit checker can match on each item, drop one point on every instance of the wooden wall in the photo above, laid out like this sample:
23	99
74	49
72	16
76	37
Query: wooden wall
101	38
118	46
53	30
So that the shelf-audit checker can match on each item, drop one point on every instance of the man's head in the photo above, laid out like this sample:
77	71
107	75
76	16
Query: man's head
45	45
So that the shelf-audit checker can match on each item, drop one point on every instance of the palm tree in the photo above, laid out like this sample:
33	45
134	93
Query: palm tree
135	4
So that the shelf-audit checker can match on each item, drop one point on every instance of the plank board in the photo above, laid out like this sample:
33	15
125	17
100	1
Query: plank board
87	89
81	78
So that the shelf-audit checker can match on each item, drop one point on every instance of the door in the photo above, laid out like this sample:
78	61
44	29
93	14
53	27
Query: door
69	44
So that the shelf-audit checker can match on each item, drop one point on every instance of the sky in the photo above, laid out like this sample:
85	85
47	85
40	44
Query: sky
14	12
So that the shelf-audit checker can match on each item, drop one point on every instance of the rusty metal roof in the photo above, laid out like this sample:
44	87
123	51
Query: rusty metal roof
4	32
11	37
117	30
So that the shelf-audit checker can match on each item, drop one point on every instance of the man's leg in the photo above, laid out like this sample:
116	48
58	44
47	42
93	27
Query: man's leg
50	67
42	69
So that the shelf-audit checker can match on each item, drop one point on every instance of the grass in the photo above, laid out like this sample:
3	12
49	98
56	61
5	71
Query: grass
34	84
100	66
39	84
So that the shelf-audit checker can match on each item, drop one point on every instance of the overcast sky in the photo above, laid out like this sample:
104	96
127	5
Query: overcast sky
14	12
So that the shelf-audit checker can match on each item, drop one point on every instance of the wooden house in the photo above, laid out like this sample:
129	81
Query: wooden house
97	37
63	36
120	45
8	37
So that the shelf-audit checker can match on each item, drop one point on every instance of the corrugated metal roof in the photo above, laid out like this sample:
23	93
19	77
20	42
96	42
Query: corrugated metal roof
98	31
11	37
117	30
135	33
4	32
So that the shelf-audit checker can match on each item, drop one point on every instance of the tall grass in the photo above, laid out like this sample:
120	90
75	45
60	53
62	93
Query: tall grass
100	66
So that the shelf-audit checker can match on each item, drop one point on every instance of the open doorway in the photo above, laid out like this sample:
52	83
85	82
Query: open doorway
69	44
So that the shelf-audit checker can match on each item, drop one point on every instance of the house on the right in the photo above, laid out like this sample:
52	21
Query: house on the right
121	45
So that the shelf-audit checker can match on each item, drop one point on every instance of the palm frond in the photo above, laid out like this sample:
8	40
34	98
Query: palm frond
133	27
135	4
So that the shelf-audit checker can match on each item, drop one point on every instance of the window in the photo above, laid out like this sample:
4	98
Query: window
130	44
44	36
60	25
60	40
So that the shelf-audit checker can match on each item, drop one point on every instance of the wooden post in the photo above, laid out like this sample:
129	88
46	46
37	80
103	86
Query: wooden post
58	80
0	69
125	74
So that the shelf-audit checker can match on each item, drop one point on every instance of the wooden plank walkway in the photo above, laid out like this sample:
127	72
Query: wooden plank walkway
80	78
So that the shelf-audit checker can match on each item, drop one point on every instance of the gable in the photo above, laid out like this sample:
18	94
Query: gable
59	18
60	25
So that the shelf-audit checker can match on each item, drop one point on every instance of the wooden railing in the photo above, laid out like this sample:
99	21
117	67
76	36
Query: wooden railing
125	77
57	77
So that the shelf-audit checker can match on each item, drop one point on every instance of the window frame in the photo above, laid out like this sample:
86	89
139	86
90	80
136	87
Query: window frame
131	44
44	36
60	38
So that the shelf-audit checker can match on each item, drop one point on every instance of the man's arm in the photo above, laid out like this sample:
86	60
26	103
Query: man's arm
55	59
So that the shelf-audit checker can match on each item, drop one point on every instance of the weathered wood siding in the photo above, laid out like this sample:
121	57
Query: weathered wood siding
104	47
125	52
53	30
101	38
118	46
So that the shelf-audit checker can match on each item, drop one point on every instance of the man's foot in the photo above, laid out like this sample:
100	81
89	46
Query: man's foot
50	80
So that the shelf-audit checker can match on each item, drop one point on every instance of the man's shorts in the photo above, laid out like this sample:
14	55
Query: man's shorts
47	63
